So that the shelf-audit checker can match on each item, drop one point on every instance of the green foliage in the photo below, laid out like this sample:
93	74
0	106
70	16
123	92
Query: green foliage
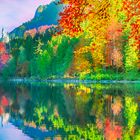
126	135
57	122
130	112
91	54
15	47
10	69
137	135
131	57
22	57
29	47
63	54
39	114
43	61
45	55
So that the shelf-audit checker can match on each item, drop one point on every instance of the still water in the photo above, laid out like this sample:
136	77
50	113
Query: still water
69	111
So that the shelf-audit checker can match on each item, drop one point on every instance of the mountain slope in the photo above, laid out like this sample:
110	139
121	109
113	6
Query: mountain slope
45	15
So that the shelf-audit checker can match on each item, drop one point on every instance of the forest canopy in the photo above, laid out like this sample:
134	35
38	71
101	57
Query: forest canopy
93	40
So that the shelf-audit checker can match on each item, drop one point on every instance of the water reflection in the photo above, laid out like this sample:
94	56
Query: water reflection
69	111
4	114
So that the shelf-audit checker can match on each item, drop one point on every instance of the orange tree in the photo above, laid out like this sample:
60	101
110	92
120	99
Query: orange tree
132	29
91	18
112	26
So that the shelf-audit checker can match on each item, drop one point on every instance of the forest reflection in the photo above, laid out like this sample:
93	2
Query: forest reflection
72	111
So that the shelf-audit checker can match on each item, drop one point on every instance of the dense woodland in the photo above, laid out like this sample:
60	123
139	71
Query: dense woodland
93	40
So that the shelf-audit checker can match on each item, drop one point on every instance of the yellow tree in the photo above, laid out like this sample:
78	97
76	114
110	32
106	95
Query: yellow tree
91	18
132	29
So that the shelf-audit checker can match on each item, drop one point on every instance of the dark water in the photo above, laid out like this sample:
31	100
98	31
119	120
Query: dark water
71	111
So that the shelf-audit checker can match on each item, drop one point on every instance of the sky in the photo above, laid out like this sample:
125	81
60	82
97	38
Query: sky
15	12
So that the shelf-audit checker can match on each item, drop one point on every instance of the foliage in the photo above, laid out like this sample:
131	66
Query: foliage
87	115
130	112
39	114
93	40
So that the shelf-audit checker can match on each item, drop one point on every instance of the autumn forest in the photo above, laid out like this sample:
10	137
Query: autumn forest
93	40
70	70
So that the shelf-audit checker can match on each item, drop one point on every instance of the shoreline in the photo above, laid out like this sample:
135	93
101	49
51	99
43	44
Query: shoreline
68	81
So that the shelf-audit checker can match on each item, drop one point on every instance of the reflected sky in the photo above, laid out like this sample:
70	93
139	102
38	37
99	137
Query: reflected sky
10	132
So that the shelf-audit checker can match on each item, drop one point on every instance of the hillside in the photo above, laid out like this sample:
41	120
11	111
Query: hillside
44	15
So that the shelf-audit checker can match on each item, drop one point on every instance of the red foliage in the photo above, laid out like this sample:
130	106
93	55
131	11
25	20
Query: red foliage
132	8
72	16
4	58
112	132
1	110
2	48
135	33
4	101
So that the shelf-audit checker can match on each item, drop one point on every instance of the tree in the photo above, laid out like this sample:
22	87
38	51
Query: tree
4	56
132	11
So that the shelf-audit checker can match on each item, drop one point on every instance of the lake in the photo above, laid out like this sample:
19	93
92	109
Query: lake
65	111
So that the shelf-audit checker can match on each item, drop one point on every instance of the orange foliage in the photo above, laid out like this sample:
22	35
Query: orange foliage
81	64
132	10
114	30
112	132
117	106
99	124
117	58
72	16
113	52
42	29
104	23
31	32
